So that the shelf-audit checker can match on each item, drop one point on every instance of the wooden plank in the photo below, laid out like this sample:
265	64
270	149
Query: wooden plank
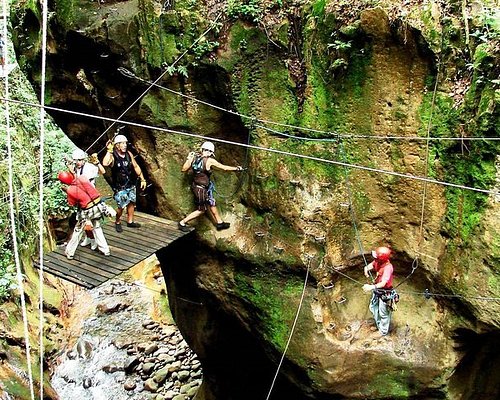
73	271
91	268
63	273
138	240
88	269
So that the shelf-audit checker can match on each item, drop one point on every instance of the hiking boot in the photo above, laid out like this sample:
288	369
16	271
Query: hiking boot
118	228
223	225
133	224
183	228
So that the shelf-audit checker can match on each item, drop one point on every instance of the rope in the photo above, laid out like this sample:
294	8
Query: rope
129	74
268	149
292	330
414	264
19	274
213	24
427	293
40	217
351	207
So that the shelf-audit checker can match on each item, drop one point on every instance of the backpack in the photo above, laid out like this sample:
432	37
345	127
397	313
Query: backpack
197	164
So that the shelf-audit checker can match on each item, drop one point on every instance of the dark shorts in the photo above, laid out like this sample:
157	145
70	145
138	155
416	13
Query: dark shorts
203	196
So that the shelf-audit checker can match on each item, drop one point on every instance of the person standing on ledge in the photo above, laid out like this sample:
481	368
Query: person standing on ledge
381	287
202	186
91	169
123	167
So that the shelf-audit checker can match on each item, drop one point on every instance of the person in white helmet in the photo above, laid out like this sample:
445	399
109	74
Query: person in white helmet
91	168
202	186
123	167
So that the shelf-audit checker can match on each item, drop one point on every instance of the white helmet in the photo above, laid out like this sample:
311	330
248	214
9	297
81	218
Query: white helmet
79	154
208	146
119	139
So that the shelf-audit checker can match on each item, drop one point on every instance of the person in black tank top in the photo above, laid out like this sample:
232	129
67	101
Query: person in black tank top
124	174
202	186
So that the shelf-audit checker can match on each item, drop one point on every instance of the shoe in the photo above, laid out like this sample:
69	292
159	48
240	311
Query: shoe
133	225
223	225
69	257
86	242
118	228
93	244
107	254
183	228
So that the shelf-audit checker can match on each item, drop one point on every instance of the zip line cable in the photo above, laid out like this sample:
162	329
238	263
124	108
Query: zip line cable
268	149
41	219
131	75
10	163
213	24
292	330
426	293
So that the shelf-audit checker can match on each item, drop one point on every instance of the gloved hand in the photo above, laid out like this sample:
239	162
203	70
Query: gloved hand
239	168
368	288
143	184
93	159
191	154
109	146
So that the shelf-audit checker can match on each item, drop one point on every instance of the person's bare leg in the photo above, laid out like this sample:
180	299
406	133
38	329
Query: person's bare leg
215	213
119	212
130	212
193	215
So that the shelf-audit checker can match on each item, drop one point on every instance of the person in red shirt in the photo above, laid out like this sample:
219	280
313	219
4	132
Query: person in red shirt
381	287
82	194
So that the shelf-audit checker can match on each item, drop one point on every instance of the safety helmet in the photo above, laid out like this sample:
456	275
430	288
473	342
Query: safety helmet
119	139
208	146
65	177
79	154
382	253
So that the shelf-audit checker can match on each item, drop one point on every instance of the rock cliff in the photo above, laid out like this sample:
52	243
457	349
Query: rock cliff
328	106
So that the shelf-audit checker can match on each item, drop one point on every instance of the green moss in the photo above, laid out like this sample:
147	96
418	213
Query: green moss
275	300
394	386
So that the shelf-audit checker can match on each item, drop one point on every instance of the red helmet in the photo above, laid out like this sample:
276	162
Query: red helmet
382	253
65	177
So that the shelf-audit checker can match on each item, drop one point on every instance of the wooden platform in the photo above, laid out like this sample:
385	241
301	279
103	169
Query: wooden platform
91	268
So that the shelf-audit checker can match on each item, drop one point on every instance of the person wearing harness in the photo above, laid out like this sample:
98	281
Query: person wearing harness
123	166
380	288
82	194
91	169
202	186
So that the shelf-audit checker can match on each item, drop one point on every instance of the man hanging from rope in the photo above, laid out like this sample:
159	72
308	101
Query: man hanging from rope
123	166
91	169
381	287
202	186
82	194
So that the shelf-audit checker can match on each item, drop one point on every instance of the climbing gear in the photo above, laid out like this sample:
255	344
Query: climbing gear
120	139
79	154
208	146
65	177
121	171
382	253
389	297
